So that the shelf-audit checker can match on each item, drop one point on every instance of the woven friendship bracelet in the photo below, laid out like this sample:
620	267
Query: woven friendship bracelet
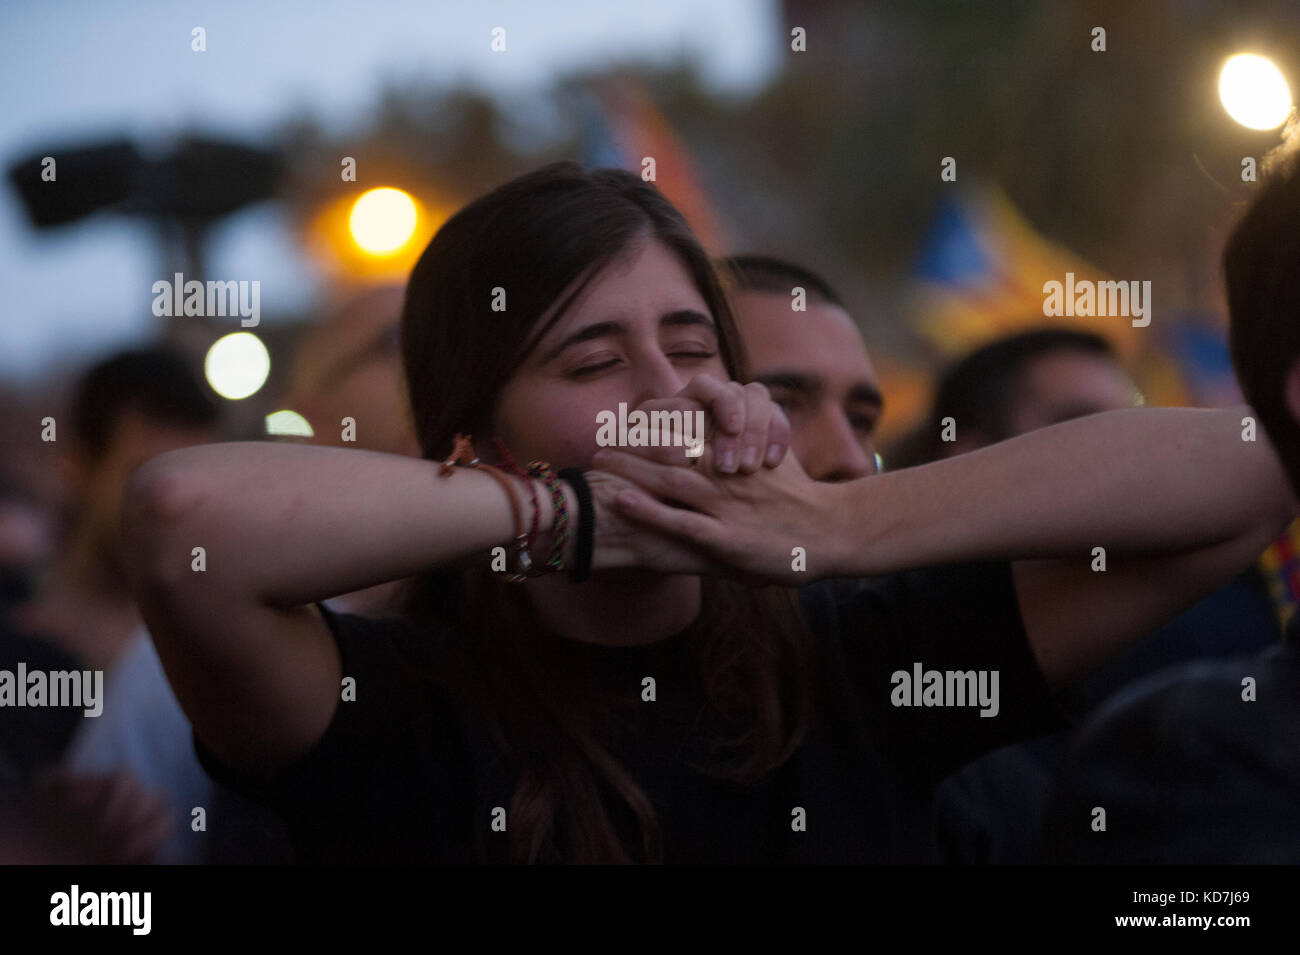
525	554
463	455
524	541
560	523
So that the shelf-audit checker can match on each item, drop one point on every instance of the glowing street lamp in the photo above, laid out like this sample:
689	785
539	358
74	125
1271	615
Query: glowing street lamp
383	220
375	236
1254	91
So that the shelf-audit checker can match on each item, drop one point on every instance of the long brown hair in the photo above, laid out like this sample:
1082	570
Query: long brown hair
537	236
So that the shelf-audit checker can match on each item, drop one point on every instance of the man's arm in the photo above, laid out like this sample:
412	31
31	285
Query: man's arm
1177	499
1180	503
1075	617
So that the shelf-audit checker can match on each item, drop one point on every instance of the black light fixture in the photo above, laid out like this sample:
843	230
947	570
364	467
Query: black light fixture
184	191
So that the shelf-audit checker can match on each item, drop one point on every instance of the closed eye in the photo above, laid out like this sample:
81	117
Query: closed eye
587	370
592	369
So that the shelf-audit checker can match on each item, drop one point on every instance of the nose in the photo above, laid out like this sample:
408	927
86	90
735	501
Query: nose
833	450
656	376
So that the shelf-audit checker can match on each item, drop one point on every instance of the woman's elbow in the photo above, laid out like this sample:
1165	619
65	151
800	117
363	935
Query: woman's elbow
158	501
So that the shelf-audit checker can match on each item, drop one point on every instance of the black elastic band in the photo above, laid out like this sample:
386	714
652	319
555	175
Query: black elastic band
586	525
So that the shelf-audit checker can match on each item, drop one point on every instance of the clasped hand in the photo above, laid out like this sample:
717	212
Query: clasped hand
740	509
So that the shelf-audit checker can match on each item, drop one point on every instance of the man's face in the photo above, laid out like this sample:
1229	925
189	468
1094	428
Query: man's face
816	367
1066	384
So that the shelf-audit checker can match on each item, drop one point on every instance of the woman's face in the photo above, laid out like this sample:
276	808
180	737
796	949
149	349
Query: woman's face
639	331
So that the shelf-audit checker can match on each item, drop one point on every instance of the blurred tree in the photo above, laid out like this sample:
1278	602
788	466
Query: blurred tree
1124	155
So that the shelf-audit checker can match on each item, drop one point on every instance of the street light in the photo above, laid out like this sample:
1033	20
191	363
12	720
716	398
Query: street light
1254	91
383	220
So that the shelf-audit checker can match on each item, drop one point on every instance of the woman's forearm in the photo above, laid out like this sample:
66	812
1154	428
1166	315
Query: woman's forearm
289	524
1142	480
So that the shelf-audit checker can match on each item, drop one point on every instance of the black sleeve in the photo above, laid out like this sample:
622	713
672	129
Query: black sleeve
34	737
1186	767
326	783
962	623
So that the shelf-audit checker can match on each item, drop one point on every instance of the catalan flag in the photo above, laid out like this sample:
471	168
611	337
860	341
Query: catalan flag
981	273
1281	567
623	128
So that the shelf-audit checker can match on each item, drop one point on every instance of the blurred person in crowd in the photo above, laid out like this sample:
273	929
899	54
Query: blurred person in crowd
491	720
125	410
30	737
1040	377
1201	764
813	362
26	543
1017	384
63	818
345	366
989	811
81	615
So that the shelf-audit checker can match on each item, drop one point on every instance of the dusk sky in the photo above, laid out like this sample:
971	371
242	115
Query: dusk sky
79	71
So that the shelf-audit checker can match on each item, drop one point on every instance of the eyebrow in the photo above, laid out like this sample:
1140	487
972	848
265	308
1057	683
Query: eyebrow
861	393
679	318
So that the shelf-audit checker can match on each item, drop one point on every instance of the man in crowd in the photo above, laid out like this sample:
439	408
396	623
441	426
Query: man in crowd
813	362
991	810
1202	764
345	367
81	615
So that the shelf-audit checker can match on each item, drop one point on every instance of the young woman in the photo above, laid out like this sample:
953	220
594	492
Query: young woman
684	703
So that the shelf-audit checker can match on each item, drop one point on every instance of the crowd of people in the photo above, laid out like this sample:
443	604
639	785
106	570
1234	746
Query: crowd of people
461	630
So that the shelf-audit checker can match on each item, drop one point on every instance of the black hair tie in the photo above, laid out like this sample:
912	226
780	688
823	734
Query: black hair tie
586	525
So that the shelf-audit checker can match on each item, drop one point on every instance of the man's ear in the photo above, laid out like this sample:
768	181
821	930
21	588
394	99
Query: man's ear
1291	391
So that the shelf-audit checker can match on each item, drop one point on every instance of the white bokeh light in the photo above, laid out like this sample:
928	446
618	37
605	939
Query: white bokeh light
237	365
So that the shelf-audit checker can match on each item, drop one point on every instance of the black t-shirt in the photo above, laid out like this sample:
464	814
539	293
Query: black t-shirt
405	773
32	737
1199	764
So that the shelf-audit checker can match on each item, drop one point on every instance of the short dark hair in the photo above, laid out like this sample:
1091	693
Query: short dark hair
765	273
1261	266
981	389
158	381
